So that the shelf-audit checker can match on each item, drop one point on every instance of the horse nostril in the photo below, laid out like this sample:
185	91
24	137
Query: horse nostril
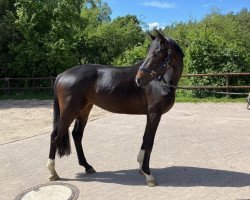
137	80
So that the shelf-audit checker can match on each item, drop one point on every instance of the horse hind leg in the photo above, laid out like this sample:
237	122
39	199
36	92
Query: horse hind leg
77	133
51	162
60	141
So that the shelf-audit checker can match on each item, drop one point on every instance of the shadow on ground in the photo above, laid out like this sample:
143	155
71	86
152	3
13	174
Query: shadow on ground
178	176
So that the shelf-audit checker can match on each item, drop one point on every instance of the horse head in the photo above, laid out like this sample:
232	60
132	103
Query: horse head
161	56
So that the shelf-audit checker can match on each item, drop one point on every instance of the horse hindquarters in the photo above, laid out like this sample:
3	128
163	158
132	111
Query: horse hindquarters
65	111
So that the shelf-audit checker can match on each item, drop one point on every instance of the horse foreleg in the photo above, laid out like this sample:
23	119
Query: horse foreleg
140	158
143	157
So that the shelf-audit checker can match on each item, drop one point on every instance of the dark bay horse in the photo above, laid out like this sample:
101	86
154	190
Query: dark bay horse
148	88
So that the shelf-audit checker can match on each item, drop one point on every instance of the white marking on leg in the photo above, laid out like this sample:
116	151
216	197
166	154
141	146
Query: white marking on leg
51	166
140	158
149	179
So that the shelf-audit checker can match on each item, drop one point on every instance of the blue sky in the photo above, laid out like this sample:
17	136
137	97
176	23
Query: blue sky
161	13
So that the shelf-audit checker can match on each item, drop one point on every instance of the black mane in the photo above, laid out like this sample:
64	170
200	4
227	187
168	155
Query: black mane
176	46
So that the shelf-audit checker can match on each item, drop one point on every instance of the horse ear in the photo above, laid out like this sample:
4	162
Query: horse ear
160	36
152	36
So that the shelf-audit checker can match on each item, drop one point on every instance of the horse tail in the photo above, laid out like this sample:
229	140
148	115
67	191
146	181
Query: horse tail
56	111
62	139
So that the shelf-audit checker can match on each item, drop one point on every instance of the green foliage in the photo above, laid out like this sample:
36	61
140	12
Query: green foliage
217	44
44	38
48	37
56	35
110	39
132	56
214	55
8	34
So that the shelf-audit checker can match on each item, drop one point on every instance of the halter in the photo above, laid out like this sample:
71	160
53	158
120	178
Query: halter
166	64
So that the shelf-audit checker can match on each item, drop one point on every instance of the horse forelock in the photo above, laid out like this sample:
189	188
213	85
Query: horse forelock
177	48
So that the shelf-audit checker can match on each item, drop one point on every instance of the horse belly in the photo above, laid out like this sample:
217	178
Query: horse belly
123	105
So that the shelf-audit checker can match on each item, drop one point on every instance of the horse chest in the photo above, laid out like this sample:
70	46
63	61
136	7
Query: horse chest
120	98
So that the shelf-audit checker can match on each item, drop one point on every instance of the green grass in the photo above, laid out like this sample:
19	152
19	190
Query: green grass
210	99
27	95
180	98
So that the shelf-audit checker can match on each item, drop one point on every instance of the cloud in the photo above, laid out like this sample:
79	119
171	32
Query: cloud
155	25
159	4
206	5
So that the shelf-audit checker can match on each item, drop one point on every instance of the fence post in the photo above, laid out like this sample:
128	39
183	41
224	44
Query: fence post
8	85
227	84
52	86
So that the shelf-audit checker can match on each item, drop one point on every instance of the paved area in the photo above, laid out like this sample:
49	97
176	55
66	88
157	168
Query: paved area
202	151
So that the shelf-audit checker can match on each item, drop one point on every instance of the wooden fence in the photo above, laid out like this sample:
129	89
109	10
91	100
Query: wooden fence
10	84
226	87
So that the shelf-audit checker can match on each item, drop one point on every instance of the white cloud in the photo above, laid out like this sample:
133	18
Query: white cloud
206	5
159	4
155	25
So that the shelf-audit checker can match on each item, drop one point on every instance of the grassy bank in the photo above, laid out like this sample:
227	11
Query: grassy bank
210	99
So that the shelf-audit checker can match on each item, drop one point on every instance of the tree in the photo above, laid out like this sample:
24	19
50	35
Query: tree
56	35
49	37
215	55
110	39
8	34
132	56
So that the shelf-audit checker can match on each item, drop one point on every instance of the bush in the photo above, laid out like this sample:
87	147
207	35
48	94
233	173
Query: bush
214	55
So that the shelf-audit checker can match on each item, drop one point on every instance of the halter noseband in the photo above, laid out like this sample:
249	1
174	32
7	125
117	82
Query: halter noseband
166	64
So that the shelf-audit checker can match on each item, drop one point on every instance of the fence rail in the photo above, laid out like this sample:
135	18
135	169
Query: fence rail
6	84
218	74
226	87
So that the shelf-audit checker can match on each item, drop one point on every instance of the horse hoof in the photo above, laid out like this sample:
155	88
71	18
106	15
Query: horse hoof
150	180
54	178
90	170
151	183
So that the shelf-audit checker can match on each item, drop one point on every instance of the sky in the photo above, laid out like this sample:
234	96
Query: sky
161	13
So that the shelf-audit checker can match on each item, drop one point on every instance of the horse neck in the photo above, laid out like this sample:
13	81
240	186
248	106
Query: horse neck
177	68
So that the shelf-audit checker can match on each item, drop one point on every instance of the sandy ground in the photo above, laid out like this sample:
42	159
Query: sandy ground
21	119
201	151
26	118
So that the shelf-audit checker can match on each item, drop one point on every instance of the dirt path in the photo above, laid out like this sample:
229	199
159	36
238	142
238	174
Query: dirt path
26	118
